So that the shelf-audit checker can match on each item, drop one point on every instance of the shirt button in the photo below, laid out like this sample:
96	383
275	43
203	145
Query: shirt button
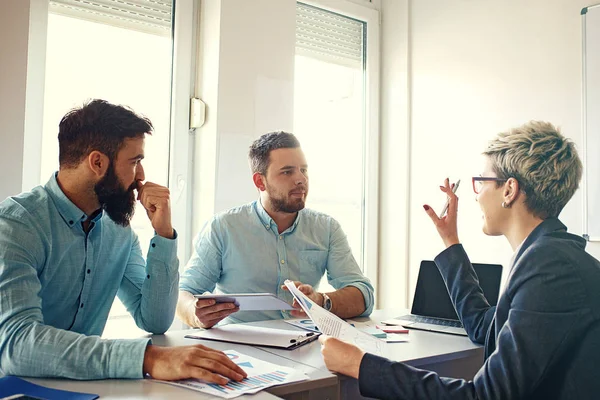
280	237
153	244
283	261
81	305
267	226
89	270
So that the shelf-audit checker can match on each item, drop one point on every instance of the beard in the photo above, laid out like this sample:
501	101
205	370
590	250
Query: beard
119	203
283	203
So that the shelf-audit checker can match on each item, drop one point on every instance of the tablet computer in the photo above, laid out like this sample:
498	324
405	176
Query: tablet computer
249	301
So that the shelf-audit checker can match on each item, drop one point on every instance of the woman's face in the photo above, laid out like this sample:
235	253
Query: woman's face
490	199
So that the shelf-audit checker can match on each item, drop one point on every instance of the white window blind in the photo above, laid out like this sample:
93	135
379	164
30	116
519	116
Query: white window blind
150	16
328	36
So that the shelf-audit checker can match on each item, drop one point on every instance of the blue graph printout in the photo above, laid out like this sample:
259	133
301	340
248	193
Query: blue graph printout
261	375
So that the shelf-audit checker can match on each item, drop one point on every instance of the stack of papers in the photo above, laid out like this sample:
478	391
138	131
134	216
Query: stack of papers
261	375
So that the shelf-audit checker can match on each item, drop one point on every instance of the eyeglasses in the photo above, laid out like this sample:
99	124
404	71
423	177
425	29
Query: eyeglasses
478	182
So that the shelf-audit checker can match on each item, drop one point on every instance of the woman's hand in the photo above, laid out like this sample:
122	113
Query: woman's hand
446	226
341	357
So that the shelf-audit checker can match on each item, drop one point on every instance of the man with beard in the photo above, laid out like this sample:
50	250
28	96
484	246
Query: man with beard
66	251
256	247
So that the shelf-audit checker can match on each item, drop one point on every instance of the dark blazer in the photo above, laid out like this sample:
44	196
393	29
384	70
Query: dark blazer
542	341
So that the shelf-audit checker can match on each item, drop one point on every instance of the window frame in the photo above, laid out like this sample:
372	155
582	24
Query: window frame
181	141
369	13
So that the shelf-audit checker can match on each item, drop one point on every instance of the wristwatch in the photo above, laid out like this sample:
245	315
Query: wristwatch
326	302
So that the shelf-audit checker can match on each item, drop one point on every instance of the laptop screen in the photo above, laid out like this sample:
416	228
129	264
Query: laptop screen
431	295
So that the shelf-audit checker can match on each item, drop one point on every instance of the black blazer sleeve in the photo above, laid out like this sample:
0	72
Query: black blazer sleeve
547	315
461	280
384	379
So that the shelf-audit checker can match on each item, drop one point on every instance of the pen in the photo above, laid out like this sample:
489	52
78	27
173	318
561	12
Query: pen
445	209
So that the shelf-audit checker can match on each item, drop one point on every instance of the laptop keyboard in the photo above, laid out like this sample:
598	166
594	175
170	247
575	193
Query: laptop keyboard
429	320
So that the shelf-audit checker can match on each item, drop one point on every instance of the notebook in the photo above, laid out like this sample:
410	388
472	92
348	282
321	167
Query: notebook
11	385
432	308
257	336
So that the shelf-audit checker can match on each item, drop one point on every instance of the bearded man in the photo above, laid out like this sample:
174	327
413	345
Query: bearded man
67	249
254	248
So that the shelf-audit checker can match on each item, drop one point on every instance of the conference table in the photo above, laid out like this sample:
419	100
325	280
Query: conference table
448	355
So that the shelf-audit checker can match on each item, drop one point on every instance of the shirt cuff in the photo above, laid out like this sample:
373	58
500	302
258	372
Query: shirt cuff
367	296
163	249
126	360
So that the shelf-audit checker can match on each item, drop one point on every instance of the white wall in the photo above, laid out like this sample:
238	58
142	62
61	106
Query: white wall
22	54
475	68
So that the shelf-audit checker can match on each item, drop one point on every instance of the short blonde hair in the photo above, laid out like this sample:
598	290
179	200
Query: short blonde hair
543	161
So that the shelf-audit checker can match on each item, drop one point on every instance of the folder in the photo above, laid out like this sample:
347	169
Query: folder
10	385
256	336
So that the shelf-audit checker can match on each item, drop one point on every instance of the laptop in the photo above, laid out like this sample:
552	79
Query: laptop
432	309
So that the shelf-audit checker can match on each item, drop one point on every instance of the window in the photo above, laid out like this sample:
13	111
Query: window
121	52
333	106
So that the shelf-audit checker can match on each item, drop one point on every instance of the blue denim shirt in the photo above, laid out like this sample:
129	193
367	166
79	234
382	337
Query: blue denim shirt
58	283
542	340
241	251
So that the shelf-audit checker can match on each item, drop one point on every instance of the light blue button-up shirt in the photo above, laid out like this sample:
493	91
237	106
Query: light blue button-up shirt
58	283
241	251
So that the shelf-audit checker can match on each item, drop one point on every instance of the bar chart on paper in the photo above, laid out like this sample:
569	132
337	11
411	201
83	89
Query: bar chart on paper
261	375
253	382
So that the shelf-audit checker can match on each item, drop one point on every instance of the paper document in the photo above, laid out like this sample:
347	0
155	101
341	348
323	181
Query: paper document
332	325
306	324
261	375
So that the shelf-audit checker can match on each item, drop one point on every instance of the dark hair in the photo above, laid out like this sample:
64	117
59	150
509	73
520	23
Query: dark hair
97	125
260	149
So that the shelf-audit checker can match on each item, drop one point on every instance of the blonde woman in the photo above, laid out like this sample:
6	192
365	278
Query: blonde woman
542	340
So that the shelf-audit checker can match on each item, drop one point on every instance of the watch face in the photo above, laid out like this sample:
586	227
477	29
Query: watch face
327	303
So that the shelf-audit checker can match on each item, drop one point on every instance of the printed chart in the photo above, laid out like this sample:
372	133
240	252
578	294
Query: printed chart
261	375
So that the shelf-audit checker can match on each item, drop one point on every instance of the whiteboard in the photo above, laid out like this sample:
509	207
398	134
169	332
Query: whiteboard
591	122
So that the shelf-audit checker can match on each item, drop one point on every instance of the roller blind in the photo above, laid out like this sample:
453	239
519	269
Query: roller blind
329	36
150	16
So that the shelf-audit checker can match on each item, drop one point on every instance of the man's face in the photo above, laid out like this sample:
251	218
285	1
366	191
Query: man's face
115	190
286	181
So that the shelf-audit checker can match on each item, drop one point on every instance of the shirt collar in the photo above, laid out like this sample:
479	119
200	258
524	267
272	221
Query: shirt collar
268	222
69	212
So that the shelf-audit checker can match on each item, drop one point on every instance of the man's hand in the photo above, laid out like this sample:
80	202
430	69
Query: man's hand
309	292
200	362
156	201
208	312
341	357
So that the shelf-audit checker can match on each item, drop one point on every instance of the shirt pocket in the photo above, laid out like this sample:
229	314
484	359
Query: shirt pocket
312	265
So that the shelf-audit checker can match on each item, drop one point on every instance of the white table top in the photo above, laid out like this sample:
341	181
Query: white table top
122	389
422	348
135	389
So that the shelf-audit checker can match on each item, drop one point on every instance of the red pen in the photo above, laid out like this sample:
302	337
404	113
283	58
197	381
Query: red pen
392	329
